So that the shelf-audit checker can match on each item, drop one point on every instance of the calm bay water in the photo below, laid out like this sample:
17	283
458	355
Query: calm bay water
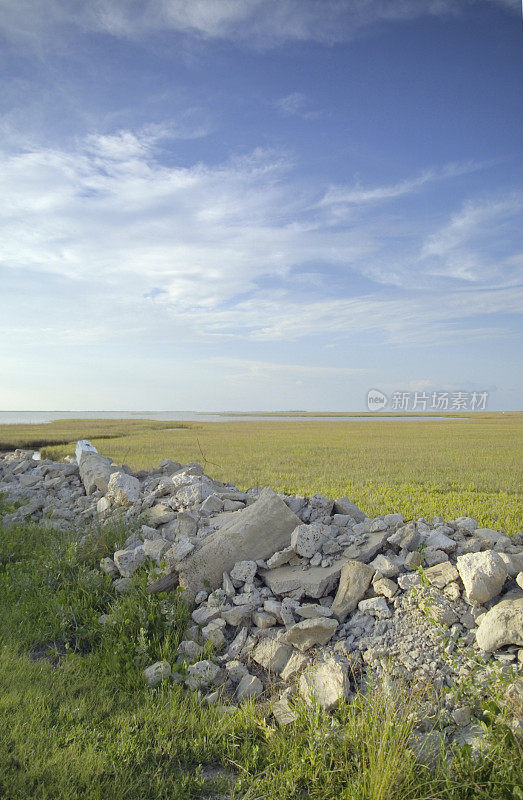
37	417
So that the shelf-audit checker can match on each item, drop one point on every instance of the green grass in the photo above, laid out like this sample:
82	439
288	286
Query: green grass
77	722
418	468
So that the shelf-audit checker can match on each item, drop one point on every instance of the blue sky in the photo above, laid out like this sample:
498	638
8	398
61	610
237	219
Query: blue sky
259	204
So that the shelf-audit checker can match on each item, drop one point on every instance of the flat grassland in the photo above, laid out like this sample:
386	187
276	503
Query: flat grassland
77	721
416	467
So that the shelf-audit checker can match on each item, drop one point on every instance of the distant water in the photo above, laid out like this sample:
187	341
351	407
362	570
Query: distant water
37	417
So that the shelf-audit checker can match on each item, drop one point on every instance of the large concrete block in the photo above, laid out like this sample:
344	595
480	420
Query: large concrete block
315	582
95	472
355	579
252	534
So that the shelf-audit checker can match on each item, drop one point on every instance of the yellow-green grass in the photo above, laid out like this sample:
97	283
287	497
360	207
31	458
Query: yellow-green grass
419	468
77	721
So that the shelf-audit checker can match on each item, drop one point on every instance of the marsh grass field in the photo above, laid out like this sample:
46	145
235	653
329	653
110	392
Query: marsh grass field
77	721
417	467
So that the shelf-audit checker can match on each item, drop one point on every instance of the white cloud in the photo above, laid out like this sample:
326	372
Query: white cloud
296	104
358	195
262	22
473	245
124	247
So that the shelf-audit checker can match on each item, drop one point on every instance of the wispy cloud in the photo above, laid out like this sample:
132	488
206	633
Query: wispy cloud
261	22
476	245
296	105
224	252
358	195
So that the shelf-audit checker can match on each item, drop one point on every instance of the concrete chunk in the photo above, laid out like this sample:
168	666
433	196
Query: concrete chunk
310	632
95	472
315	582
123	490
355	579
502	625
272	655
325	683
483	575
255	533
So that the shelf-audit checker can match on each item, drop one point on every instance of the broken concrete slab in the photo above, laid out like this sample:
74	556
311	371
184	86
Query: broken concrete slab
355	579
256	532
502	625
95	472
272	655
315	582
310	632
345	506
123	490
325	683
366	551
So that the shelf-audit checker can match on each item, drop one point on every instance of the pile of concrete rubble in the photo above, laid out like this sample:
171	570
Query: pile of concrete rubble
296	593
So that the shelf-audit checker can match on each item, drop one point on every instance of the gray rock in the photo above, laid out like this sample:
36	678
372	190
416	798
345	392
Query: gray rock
188	650
212	505
513	563
180	550
385	587
345	506
365	552
159	515
263	620
204	615
294	665
325	683
272	655
155	548
315	582
213	633
249	687
95	472
244	571
310	632
108	566
254	533
406	537
128	561
441	574
282	712
483	575
239	615
385	566
288	608
280	558
273	607
355	579
122	585
306	540
376	607
313	610
440	541
235	671
238	643
413	560
201	674
431	556
123	490
103	505
195	492
157	673
502	625
185	525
